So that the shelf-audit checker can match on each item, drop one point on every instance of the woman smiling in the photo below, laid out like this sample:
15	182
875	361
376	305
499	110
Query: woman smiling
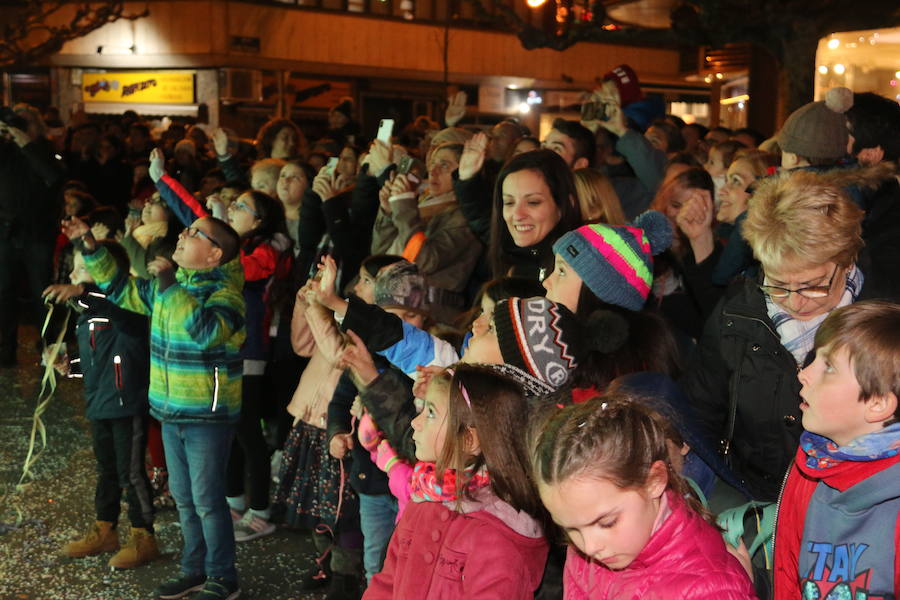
534	204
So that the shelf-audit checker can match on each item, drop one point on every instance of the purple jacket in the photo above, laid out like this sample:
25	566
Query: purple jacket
685	559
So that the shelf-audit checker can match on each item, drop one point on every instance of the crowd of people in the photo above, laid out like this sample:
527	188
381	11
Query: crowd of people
475	364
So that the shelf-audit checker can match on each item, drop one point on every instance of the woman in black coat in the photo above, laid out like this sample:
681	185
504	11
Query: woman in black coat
818	250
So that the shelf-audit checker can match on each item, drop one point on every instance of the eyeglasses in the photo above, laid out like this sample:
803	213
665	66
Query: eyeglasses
814	291
241	205
194	232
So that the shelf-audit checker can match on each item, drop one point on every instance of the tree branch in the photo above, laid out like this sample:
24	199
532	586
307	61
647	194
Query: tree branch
37	17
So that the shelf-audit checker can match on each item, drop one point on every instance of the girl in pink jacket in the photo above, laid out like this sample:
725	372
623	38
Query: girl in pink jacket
470	531
603	472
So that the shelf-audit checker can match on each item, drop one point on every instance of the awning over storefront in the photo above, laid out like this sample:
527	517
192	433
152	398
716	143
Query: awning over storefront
117	108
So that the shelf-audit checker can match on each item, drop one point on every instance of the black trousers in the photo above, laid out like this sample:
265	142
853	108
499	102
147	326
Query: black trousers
119	446
249	452
25	266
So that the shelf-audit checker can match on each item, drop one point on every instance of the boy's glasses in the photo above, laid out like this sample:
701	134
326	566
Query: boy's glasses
814	291
194	232
241	205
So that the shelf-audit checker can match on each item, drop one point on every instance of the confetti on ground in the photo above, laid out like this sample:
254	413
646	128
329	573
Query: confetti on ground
57	506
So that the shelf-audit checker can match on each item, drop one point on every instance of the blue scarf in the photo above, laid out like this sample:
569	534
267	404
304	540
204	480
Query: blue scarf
822	453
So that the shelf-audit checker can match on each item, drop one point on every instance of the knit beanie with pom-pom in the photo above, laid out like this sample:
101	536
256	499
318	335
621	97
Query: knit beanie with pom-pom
616	262
818	130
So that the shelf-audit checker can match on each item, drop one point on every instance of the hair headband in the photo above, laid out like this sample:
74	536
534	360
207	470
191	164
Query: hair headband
462	388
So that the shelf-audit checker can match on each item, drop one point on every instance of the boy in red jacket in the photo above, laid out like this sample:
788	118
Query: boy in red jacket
837	530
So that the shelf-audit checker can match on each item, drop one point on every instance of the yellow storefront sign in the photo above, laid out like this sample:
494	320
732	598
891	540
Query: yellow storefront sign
156	87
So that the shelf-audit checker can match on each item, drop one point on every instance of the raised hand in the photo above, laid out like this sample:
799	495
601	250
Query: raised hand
384	194
74	228
379	157
327	184
616	122
100	231
401	185
220	142
696	215
20	137
456	108
321	287
132	222
60	292
358	359
423	378
157	164
694	219
472	158
159	266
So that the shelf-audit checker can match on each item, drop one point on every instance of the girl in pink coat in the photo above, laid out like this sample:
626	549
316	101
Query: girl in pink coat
469	531
603	472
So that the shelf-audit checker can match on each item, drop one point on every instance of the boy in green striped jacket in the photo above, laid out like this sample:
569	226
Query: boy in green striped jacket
196	330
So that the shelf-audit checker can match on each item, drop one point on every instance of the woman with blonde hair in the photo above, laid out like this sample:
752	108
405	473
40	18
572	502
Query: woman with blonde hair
599	201
807	233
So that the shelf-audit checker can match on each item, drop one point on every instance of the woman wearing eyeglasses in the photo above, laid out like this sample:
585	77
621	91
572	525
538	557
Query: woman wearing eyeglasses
807	234
429	229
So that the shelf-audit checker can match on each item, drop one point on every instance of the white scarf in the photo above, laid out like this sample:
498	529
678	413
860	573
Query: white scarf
799	337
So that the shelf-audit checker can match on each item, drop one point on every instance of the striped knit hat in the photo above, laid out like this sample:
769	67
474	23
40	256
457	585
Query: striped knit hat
539	337
616	262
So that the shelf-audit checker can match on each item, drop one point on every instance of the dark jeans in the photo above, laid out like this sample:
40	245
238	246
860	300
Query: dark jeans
249	452
119	446
196	454
21	260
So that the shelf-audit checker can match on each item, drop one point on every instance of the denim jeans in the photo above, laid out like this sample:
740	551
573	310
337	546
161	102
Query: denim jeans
196	455
377	514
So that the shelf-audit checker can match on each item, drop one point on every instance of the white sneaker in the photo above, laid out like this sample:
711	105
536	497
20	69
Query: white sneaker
252	527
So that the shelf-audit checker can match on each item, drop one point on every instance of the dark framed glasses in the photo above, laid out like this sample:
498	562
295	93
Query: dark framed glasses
194	232
812	292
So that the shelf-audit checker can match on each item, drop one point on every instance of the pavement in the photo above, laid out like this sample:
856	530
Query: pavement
57	506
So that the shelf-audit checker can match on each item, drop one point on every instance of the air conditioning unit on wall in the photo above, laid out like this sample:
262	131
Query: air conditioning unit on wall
240	85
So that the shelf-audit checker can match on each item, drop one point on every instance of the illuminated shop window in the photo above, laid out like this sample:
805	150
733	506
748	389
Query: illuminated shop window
864	61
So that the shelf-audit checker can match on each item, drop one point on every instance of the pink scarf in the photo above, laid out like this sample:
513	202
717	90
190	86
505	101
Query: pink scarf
425	486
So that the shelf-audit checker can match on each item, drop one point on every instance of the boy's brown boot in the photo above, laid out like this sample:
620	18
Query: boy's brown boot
140	549
101	537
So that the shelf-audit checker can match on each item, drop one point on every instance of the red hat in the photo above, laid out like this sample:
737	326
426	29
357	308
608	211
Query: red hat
627	82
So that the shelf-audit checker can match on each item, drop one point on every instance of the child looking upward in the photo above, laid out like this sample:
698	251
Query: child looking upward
196	330
837	533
